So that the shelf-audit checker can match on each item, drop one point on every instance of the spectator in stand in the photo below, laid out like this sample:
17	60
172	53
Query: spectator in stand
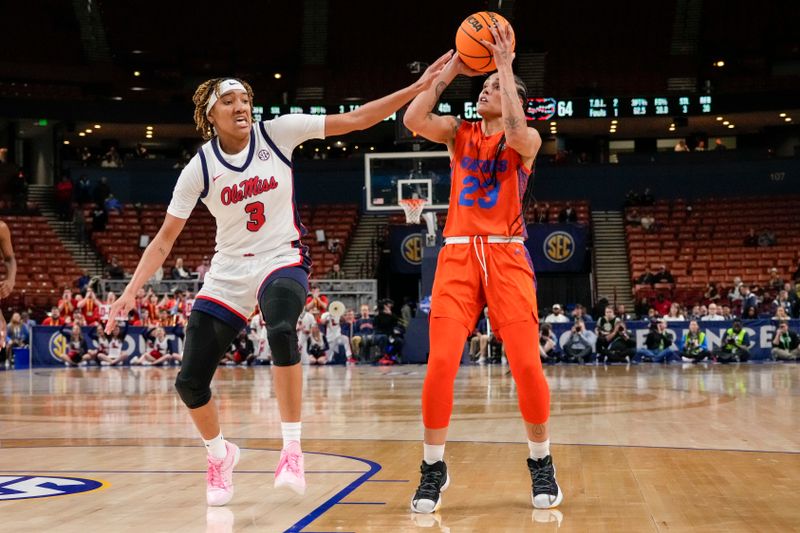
734	344
681	146
663	276
86	155
713	314
782	302
580	344
158	350
336	272
735	294
335	247
749	300
557	316
114	270
701	146
646	278
633	218
77	352
27	320
333	333
579	312
116	343
17	336
77	319
90	307
317	347
648	223
751	239
316	303
775	281
203	268
111	159
479	341
99	217
348	330
658	344
694	347
712	293
568	214
796	274
54	318
674	314
113	205
696	314
66	305
364	330
541	213
642	308
83	282
781	314
621	347
647	198
258	336
63	197
726	313
101	191
767	238
785	344
100	342
178	272
83	190
662	304
548	344
140	152
718	145
622	314
166	320
750	314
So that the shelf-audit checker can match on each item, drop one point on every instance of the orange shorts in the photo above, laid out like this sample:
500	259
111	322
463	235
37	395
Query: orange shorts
461	288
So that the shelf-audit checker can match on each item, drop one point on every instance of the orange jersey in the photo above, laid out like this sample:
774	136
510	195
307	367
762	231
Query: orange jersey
477	206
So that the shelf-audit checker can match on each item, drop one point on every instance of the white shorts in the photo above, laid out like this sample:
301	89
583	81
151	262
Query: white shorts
233	285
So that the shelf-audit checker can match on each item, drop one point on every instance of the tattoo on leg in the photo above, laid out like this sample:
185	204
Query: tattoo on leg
538	430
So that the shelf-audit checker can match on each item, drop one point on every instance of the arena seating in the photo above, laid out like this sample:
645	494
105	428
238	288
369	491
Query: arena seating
121	238
44	266
706	244
581	207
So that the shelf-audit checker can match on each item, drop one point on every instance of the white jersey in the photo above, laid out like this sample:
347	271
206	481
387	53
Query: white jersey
333	327
250	194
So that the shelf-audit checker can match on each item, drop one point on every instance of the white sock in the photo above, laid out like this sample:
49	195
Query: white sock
539	450
290	432
216	447
433	453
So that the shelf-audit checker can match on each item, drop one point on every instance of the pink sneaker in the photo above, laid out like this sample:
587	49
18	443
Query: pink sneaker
290	469
219	480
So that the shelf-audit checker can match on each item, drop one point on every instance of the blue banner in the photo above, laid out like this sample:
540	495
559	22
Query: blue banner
557	247
48	342
761	333
405	245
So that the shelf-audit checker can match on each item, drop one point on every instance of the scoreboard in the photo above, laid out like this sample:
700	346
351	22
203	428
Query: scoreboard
540	108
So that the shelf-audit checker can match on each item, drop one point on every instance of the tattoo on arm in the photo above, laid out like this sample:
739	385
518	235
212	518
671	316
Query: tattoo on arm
162	251
456	125
440	87
512	123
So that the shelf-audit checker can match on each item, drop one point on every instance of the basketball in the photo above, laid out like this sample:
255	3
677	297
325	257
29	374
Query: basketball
468	40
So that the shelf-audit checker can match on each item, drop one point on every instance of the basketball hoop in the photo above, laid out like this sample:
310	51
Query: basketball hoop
412	207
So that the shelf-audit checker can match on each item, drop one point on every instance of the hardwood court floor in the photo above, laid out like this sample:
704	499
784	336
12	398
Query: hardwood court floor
645	448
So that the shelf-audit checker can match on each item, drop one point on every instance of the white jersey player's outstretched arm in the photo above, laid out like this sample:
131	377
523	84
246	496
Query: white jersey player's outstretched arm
153	257
375	111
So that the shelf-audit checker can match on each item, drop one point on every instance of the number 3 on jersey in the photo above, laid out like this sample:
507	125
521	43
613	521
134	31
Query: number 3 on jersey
486	200
256	212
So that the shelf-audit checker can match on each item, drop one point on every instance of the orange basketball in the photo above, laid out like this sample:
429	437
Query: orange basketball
468	40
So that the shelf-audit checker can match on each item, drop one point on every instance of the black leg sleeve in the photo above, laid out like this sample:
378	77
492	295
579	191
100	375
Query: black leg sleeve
281	304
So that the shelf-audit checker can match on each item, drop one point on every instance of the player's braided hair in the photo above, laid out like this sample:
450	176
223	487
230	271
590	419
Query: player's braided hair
200	99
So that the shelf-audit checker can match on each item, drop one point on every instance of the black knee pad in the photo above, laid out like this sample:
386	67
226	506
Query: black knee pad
281	304
193	391
207	339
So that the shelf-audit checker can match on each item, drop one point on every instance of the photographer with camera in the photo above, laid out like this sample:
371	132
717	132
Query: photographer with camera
548	345
733	347
658	344
580	345
785	344
694	347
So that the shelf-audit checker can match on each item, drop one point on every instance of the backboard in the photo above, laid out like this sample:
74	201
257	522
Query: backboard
390	177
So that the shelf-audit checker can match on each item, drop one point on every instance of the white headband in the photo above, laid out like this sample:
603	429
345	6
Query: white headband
222	88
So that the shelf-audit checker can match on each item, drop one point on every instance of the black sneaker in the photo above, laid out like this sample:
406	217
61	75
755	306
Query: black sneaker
432	483
546	492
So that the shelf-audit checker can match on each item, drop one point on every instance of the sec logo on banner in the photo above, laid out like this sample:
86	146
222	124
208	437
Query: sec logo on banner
411	249
57	346
28	487
559	247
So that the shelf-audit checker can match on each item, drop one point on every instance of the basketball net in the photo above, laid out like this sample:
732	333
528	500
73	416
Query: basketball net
413	207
